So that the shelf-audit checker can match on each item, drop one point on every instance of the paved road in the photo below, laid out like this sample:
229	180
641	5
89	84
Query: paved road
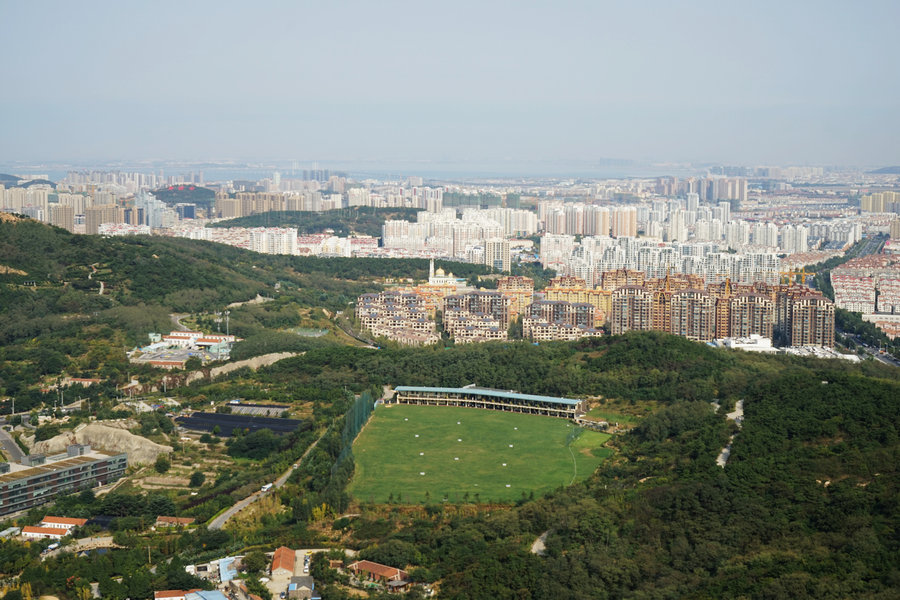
240	505
176	319
873	352
10	447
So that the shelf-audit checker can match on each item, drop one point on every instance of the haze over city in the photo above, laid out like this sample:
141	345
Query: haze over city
476	86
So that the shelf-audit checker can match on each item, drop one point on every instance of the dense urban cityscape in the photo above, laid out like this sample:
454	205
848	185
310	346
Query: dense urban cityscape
708	257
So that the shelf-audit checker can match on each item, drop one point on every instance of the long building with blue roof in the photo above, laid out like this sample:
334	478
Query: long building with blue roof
475	397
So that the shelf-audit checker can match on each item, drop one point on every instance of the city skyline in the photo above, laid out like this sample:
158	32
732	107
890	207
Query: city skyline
478	85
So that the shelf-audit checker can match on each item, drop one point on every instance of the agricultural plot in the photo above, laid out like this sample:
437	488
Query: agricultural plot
431	453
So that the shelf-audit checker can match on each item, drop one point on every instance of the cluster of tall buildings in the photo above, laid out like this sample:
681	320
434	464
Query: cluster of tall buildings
793	314
587	219
85	212
592	256
569	308
476	236
881	202
281	240
310	198
125	182
706	189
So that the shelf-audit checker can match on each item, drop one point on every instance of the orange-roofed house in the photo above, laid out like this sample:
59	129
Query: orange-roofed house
376	572
172	594
62	522
41	533
162	521
283	561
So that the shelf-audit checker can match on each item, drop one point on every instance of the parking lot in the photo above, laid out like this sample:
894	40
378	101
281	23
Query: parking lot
175	354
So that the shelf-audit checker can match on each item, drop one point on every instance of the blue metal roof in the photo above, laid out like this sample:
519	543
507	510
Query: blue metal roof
489	392
206	595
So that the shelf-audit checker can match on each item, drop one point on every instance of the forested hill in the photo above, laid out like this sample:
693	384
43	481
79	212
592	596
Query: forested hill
806	506
53	318
182	274
345	221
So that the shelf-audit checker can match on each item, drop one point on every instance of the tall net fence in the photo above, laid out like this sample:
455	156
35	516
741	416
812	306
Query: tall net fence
354	420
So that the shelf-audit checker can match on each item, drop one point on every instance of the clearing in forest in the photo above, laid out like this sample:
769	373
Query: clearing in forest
437	453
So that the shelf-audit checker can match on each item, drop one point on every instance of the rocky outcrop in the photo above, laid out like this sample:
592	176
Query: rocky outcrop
104	437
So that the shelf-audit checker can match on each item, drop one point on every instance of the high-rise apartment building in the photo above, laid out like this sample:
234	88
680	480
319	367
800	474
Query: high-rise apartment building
62	216
99	214
812	321
693	315
624	221
631	306
496	254
750	314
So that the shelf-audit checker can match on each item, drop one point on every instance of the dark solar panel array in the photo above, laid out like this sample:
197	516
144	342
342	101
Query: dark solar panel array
200	421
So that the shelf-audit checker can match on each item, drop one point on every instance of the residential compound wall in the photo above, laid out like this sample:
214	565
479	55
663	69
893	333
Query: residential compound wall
23	486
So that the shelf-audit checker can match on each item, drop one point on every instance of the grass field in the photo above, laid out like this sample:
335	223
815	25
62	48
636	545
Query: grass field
459	454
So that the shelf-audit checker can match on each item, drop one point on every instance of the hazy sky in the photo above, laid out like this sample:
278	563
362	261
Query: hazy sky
814	82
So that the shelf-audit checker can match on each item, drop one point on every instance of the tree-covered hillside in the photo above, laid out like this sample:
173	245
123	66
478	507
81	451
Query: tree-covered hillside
806	506
357	220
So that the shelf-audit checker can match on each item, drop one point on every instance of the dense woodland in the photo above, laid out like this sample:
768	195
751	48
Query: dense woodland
807	505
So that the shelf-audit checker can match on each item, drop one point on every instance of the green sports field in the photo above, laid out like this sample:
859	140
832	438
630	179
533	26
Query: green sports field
470	454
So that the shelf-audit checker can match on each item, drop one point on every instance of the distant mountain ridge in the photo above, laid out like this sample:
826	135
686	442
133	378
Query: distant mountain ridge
886	171
8	181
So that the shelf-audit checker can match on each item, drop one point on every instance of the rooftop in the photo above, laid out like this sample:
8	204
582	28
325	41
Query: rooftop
18	471
45	530
283	558
489	392
64	521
